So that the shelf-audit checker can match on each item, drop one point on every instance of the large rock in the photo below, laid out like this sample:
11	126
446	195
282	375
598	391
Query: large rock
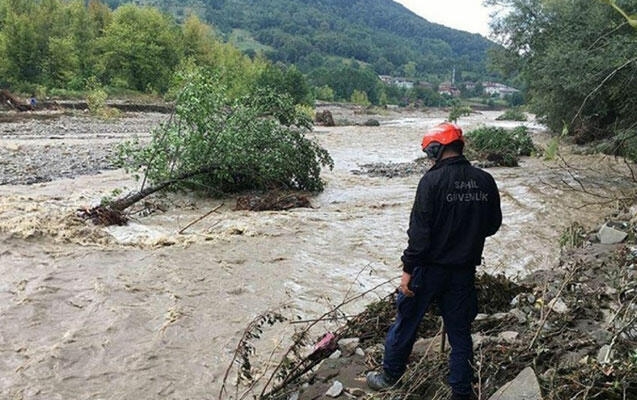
524	387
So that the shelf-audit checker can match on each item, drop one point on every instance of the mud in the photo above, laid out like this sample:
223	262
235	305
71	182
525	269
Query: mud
144	312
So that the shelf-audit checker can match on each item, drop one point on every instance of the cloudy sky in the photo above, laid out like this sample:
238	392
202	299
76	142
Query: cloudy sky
466	15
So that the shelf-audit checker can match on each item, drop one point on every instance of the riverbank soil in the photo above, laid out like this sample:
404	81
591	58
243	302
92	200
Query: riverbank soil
155	309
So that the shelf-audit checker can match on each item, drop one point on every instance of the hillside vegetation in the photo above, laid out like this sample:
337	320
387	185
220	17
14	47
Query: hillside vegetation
380	33
327	50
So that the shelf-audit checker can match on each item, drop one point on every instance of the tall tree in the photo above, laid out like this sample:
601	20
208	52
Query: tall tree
141	49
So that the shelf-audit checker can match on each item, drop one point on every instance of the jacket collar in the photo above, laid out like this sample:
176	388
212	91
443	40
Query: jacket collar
449	161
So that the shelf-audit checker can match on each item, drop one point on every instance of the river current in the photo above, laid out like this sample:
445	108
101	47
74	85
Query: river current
143	312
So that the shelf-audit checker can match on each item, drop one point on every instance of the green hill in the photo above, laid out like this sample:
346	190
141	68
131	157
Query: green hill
312	34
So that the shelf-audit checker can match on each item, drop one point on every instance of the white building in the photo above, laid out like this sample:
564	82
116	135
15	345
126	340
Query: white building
500	89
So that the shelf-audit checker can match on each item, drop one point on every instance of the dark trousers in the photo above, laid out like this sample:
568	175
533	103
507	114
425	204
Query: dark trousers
454	288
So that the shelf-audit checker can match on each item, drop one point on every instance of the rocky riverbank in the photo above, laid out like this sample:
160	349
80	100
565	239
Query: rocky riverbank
564	333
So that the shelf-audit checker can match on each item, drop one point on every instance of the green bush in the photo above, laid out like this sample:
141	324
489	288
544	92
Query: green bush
457	111
253	142
512	114
498	145
624	144
96	100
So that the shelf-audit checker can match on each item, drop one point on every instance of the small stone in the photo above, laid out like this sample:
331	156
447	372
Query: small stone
524	386
498	316
427	346
360	352
336	354
348	346
519	314
605	354
356	392
478	339
294	396
481	317
558	306
508	336
335	390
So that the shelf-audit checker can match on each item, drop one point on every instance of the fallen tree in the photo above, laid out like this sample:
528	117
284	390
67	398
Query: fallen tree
216	145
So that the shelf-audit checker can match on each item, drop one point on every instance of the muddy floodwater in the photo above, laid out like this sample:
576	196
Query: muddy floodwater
144	312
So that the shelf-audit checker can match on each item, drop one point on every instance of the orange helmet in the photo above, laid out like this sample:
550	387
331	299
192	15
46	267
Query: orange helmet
439	136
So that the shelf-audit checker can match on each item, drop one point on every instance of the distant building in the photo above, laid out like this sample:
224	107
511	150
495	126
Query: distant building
500	89
447	88
397	81
470	85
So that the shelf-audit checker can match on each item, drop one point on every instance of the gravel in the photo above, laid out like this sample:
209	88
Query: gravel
40	147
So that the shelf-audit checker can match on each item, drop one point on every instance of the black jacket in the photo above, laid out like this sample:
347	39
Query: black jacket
457	206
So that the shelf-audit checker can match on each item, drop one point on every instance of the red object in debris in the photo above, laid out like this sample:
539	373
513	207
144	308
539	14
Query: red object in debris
328	342
324	347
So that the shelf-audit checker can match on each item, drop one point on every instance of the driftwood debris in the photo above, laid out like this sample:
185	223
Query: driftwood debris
7	98
182	230
272	201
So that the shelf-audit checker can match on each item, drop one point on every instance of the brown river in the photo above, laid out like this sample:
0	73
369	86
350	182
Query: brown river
143	312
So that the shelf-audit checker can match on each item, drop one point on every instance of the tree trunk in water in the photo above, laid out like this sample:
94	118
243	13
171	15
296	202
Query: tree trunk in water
111	213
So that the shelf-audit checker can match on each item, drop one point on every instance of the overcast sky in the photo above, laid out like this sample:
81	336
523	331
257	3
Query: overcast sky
465	15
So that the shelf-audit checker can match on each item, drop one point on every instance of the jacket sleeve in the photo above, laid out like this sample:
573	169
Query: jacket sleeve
419	229
495	212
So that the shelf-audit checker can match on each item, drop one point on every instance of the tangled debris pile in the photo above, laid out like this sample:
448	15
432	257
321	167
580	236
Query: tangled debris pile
395	170
568	333
273	201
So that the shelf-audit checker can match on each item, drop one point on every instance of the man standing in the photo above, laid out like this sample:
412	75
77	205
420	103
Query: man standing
456	207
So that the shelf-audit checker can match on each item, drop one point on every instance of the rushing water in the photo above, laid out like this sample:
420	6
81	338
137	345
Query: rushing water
142	312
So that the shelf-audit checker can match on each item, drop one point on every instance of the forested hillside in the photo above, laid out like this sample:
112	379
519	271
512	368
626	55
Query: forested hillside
54	47
381	33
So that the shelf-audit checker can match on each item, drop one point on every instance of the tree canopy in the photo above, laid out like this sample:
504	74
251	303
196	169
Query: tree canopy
578	60
73	45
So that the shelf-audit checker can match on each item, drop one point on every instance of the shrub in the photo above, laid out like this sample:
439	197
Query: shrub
498	145
512	114
360	97
623	144
457	111
96	100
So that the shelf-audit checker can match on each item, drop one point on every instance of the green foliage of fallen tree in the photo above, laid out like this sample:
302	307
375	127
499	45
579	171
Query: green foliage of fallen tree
256	142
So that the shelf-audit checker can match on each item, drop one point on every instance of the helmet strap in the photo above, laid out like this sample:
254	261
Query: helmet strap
434	151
